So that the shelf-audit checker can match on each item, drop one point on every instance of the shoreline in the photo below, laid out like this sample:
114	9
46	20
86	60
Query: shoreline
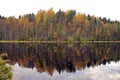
10	41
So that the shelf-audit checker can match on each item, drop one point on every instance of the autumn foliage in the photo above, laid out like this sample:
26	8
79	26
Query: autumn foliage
51	26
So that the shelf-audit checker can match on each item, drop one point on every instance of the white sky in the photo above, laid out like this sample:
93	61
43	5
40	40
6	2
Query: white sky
103	8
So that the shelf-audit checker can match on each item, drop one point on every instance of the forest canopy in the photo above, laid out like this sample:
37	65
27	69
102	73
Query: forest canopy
60	25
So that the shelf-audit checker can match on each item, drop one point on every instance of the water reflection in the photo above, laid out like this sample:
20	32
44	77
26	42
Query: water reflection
59	57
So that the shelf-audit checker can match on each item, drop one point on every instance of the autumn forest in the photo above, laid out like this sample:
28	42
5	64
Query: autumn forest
61	25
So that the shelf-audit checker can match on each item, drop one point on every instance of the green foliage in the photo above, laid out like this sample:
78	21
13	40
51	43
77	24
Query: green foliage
70	39
70	15
5	71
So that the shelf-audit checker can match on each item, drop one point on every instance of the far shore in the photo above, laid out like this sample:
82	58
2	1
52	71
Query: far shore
12	41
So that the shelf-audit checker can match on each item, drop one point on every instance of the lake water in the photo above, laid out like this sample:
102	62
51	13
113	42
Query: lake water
63	61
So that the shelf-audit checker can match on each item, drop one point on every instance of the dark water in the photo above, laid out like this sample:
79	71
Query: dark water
63	62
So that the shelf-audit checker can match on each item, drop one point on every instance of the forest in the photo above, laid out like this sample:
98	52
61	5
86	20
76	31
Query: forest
58	26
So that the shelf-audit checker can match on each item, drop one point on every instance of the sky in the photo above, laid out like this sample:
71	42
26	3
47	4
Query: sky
104	8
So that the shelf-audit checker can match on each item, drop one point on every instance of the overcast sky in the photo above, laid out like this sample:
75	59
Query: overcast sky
103	8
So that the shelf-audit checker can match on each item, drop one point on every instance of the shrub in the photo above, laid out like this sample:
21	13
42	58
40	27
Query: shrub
5	71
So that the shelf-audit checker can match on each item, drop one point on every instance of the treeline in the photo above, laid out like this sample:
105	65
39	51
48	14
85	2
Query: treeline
60	25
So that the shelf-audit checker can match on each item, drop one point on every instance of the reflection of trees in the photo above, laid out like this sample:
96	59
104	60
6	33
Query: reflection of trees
48	57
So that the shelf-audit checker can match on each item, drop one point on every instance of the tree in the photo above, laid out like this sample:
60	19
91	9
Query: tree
70	15
24	27
5	71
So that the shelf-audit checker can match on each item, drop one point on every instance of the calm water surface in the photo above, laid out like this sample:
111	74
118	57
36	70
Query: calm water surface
63	62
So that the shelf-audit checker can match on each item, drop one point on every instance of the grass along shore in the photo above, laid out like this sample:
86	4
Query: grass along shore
13	41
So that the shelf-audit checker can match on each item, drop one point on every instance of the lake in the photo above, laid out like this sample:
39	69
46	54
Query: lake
63	61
